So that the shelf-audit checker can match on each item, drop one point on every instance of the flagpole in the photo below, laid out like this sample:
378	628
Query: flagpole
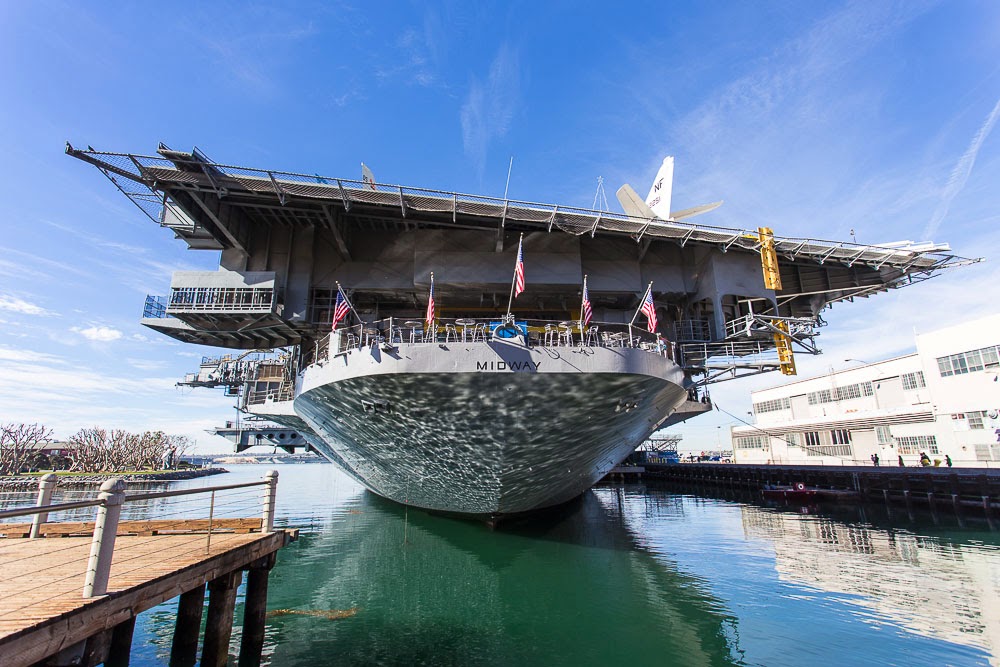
349	304
513	279
641	301
431	296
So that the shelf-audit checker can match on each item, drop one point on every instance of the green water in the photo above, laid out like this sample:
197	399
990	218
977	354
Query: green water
633	575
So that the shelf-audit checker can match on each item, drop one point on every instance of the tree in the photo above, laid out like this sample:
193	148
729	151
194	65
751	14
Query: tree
18	443
100	450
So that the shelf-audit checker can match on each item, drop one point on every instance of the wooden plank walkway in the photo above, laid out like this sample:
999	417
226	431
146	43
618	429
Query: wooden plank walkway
42	608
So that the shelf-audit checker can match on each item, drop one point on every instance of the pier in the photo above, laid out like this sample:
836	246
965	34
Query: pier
974	490
70	591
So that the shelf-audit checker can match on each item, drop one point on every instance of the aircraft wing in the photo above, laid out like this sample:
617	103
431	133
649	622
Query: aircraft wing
695	210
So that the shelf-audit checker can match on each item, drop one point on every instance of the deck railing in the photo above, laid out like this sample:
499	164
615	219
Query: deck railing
537	333
112	499
221	300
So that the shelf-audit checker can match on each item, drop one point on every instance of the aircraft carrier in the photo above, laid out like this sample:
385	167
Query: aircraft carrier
485	405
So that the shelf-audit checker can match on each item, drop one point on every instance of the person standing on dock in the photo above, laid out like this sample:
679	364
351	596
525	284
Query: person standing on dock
947	459
901	464
875	460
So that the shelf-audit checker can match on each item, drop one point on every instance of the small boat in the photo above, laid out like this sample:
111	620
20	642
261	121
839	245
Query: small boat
796	492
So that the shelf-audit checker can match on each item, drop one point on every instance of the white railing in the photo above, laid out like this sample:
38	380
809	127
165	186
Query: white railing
392	332
110	502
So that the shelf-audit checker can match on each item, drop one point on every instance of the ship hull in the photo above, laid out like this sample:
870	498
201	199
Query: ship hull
483	429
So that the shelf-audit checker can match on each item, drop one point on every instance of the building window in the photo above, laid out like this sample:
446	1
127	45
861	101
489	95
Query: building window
749	442
914	444
792	439
840	436
968	362
772	406
840	393
843	451
988	452
913	380
882	435
812	438
976	420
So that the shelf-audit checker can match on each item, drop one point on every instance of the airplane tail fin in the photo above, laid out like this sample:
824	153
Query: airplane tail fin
658	198
657	203
367	176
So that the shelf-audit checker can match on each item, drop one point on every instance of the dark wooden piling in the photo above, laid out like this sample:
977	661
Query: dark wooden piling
184	650
255	612
219	624
120	649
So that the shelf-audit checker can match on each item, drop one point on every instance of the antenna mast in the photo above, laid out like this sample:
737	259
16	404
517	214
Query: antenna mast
599	197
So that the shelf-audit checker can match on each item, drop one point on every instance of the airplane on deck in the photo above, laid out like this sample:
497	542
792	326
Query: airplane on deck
657	202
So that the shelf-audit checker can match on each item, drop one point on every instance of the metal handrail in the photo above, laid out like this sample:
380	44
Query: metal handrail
44	509
60	507
188	492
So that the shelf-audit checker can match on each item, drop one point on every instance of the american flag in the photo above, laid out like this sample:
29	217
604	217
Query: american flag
587	311
519	269
341	309
430	305
649	310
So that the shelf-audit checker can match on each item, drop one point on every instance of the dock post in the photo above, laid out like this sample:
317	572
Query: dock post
184	650
46	485
270	495
219	624
255	612
120	648
105	531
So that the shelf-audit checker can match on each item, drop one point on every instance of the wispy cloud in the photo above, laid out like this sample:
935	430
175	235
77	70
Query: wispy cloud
489	107
28	356
99	334
16	305
960	173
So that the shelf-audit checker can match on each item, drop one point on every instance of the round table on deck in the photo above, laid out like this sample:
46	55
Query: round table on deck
415	325
465	323
371	333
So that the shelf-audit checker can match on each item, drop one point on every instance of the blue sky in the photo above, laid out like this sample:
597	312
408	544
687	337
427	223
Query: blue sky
811	118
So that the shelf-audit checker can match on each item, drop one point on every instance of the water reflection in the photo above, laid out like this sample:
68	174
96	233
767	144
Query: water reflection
636	575
933	586
843	585
568	588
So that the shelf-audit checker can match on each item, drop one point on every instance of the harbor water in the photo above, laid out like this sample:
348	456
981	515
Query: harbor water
634	574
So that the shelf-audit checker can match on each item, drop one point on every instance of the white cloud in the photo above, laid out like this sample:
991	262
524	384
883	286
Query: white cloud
489	108
960	173
99	334
17	305
29	356
147	364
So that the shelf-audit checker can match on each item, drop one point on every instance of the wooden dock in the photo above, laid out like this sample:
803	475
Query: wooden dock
46	616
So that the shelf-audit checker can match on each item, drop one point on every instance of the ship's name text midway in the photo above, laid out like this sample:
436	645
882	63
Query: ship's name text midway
507	365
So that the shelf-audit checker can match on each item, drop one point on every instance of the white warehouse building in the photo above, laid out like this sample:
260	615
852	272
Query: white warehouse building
943	400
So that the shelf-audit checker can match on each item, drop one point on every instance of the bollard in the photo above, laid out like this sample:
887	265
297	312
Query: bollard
105	531
46	485
270	495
